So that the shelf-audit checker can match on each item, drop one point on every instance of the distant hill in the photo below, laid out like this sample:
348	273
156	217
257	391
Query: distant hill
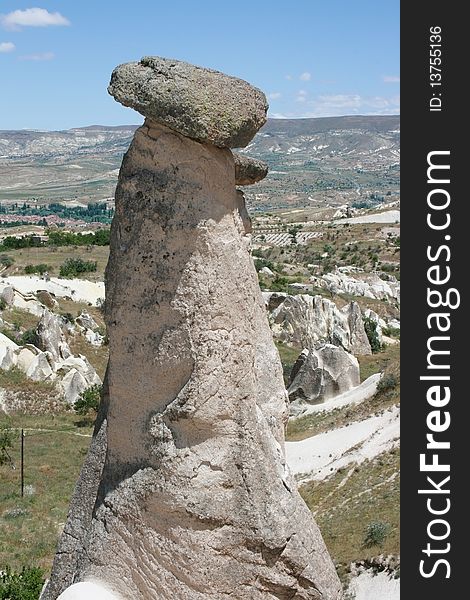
312	161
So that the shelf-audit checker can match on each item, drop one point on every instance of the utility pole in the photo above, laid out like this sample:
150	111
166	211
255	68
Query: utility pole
22	463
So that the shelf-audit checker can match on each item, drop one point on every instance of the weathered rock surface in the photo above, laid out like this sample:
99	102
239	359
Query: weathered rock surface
323	373
8	295
51	337
369	285
303	320
77	375
357	334
248	170
195	500
85	320
199	103
40	368
47	299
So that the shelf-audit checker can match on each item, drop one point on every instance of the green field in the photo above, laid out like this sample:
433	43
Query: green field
55	257
54	449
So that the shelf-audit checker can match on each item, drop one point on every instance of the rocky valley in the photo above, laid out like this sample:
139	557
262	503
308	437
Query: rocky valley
240	353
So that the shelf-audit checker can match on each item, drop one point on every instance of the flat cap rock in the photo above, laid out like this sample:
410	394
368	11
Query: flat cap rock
248	170
202	104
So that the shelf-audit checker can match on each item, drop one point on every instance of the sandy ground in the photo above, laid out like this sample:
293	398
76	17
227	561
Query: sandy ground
388	216
367	586
320	456
354	396
78	290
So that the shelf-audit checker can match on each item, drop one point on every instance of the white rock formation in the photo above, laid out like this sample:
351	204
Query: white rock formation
73	375
76	376
323	373
193	500
7	352
368	285
303	320
51	337
39	368
88	590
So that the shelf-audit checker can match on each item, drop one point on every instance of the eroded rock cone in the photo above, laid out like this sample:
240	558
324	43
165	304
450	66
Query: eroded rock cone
194	500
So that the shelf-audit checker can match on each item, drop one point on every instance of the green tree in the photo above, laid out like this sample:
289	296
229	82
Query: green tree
376	534
6	442
370	327
25	585
73	267
88	401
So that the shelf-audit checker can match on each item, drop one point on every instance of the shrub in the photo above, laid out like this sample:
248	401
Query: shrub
29	337
6	261
3	304
279	284
25	585
262	262
75	266
388	382
68	317
88	401
392	332
376	534
40	269
370	327
6	442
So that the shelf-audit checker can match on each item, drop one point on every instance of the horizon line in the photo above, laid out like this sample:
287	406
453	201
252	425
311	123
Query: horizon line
39	129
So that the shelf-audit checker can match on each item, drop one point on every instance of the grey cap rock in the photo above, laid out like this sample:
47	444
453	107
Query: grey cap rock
202	104
248	170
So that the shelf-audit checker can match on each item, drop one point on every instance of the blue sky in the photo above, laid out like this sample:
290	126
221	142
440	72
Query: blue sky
312	58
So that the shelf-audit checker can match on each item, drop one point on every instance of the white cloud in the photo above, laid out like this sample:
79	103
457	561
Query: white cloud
301	96
38	56
348	104
277	116
6	47
32	17
390	79
306	76
289	77
274	95
341	100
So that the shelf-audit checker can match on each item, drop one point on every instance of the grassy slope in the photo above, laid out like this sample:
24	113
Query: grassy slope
348	502
29	526
55	257
345	504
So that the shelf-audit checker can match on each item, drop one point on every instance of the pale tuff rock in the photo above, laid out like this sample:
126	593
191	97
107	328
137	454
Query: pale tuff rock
243	213
76	376
199	103
88	591
7	352
303	320
195	500
8	295
25	356
248	170
47	299
18	299
357	334
51	338
85	320
72	375
369	285
89	328
39	368
322	373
